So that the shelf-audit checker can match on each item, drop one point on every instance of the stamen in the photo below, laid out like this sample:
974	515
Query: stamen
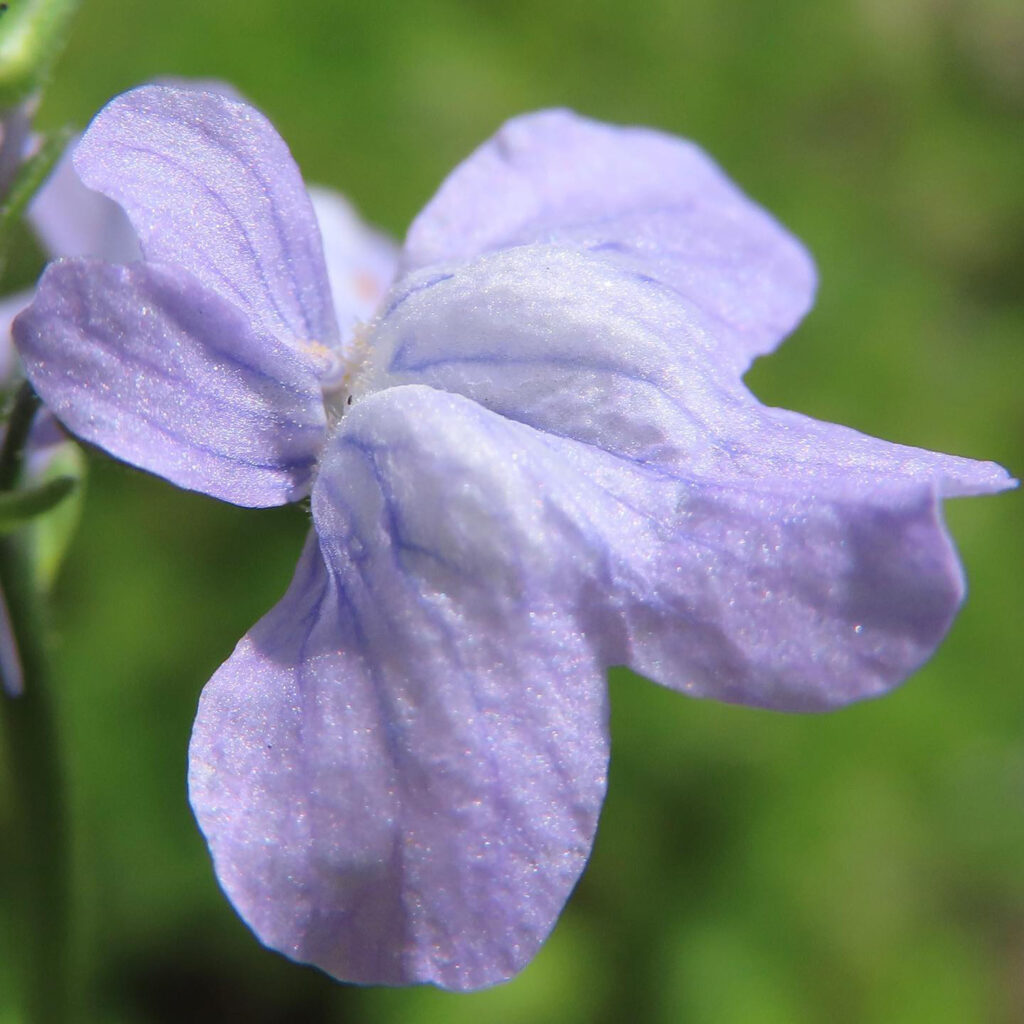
356	352
338	371
327	361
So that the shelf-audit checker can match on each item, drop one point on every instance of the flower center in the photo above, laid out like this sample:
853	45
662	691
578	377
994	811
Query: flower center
339	371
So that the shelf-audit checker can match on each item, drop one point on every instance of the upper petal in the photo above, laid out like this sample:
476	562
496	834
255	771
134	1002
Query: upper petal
164	373
72	220
399	770
654	202
210	186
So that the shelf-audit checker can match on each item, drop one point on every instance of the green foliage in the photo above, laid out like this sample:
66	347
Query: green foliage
54	532
32	33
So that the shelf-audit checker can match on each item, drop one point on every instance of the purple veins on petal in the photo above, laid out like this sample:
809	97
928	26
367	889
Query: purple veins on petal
577	347
211	187
564	342
655	203
436	714
470	580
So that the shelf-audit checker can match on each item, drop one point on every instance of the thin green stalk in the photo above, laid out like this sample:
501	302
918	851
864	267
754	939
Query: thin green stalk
19	423
39	880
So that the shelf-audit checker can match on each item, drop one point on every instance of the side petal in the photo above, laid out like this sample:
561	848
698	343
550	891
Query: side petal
797	592
210	186
789	598
361	261
656	203
145	362
578	347
399	771
795	450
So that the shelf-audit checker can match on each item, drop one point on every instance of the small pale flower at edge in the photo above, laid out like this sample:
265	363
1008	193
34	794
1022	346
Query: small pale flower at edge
537	461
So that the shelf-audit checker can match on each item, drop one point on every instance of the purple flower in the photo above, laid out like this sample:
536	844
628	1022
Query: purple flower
538	461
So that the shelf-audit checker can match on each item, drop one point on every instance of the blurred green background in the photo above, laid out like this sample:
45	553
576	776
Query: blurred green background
864	866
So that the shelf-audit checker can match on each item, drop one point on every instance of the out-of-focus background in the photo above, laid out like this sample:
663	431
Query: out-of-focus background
865	866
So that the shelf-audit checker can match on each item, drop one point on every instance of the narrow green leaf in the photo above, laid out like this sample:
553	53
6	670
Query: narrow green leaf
52	534
19	507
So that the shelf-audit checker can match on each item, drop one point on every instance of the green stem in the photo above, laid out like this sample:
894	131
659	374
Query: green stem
40	851
19	424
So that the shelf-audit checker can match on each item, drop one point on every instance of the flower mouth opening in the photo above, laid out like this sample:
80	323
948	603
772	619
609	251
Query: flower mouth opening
339	370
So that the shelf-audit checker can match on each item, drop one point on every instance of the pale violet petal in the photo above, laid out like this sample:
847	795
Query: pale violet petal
167	375
578	347
792	449
72	220
360	260
794	593
791	595
210	186
563	341
399	770
798	589
652	201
